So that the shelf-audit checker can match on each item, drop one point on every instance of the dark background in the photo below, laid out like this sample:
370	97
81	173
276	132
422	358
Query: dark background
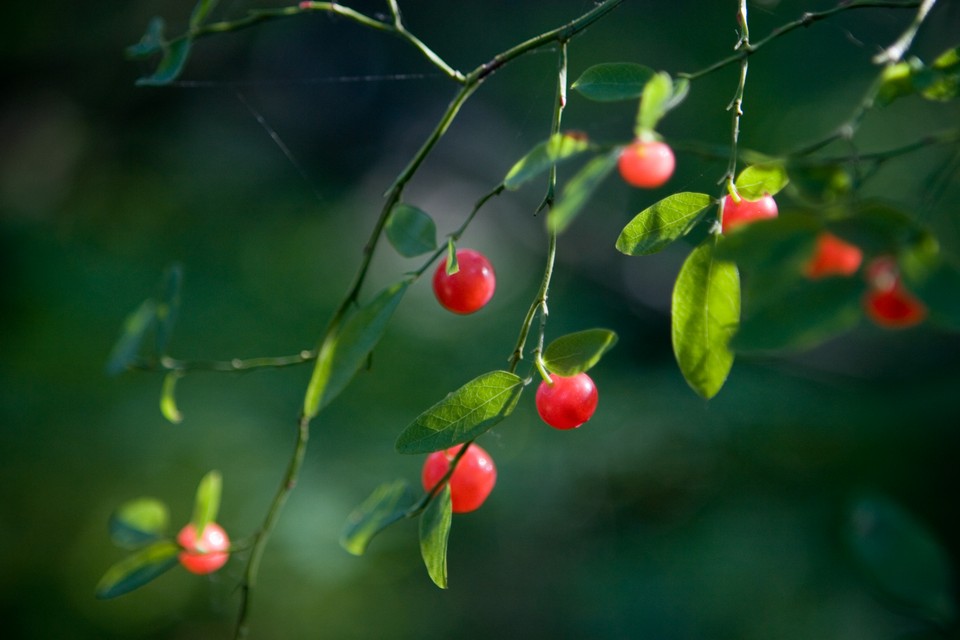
664	517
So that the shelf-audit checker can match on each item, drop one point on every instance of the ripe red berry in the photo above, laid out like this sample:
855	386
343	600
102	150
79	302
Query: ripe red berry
833	257
207	554
888	303
472	480
568	402
646	164
746	211
470	288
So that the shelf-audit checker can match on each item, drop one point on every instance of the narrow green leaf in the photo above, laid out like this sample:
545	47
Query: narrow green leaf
387	504
434	533
903	559
138	522
200	12
345	350
657	226
207	503
557	148
137	569
706	311
759	180
127	347
168	306
576	352
578	191
660	95
152	41
453	265
168	399
800	316
411	231
174	58
613	81
464	414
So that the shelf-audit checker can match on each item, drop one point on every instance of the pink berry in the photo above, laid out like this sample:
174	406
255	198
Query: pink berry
646	164
207	554
470	288
746	211
472	480
568	402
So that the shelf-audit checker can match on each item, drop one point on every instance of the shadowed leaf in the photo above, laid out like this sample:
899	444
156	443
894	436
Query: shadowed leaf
387	504
137	569
434	533
138	522
613	81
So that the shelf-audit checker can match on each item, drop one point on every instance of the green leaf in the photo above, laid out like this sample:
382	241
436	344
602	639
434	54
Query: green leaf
660	95
387	504
168	306
578	191
576	352
411	231
137	569
200	12
152	41
706	311
464	414
878	228
434	533
800	316
657	226
613	81
897	81
759	180
557	148
345	350
453	265
138	522
943	81
207	503
174	58
168	400
819	184
903	559
127	347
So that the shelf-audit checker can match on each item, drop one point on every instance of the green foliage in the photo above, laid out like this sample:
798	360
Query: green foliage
200	12
613	81
453	265
577	192
939	81
819	183
388	504
411	231
464	414
660	95
705	314
557	148
660	224
137	569
139	522
344	351
906	563
577	352
135	327
434	533
878	229
168	399
206	505
759	180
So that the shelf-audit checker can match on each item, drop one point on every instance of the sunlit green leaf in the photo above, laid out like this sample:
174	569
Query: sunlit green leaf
660	95
800	315
613	81
152	41
168	306
135	326
200	12
434	533
387	504
464	414
344	351
168	399
575	352
453	265
903	559
706	312
759	180
174	58
411	231
559	147
137	569
657	226
943	79
207	502
139	522
896	81
578	191
819	184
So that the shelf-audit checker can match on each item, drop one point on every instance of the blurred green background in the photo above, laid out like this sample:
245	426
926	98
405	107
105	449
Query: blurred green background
665	517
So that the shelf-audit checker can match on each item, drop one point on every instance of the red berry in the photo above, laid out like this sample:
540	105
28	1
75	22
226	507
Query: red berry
568	402
207	554
746	211
472	480
646	164
833	257
470	288
888	303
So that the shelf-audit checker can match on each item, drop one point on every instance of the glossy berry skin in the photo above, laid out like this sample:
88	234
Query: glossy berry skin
833	257
888	303
646	164
568	402
747	211
472	480
207	554
470	288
